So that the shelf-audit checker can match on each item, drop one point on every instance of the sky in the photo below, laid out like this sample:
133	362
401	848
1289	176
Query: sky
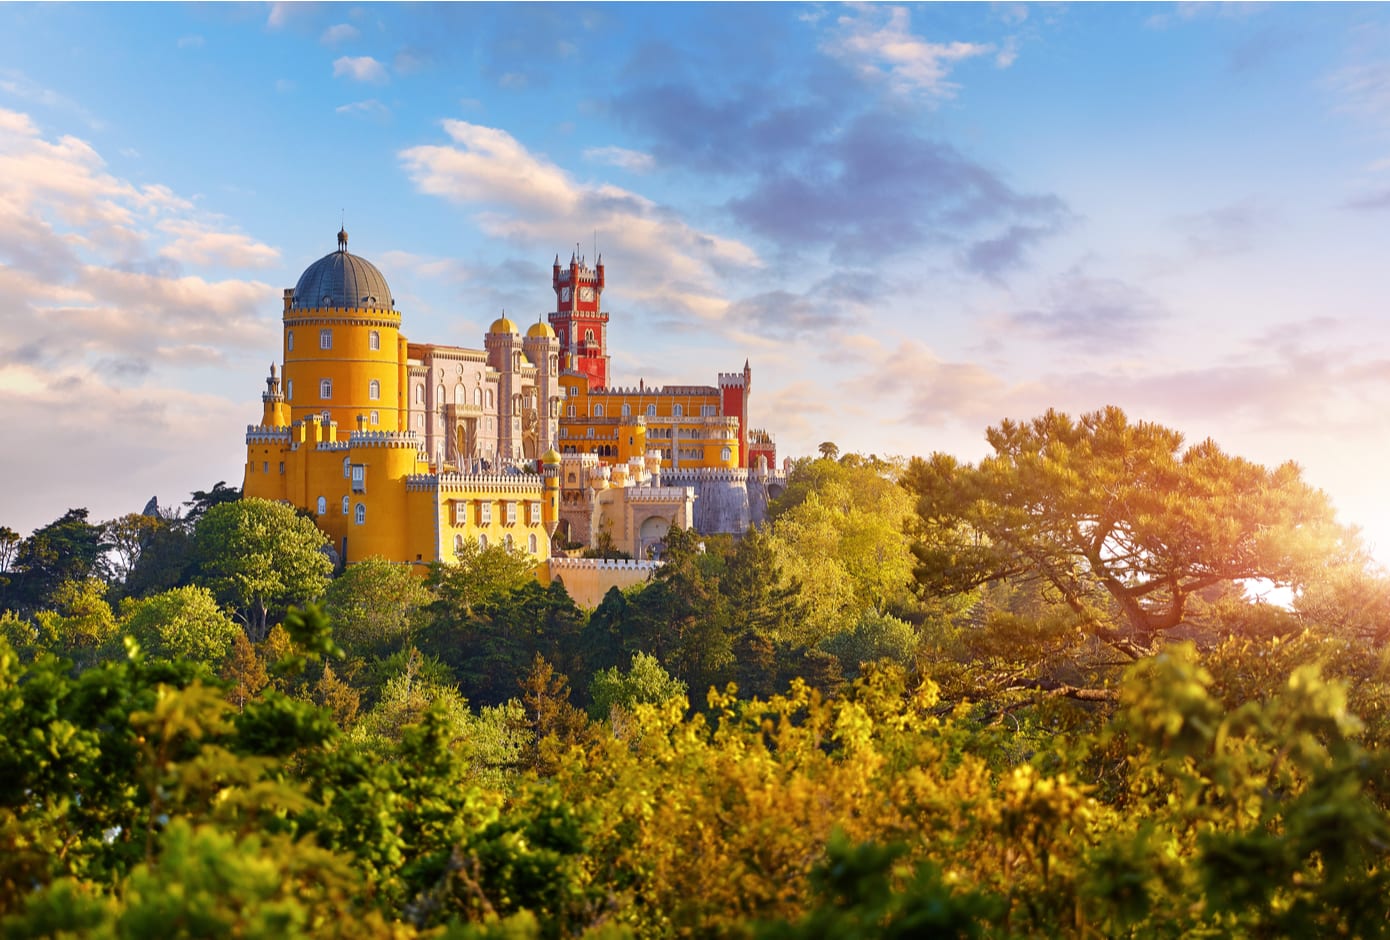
912	221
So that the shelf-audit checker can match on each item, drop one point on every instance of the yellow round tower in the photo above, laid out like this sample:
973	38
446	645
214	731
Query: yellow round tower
342	345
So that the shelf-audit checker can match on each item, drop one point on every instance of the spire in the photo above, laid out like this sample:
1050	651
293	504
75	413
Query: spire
342	239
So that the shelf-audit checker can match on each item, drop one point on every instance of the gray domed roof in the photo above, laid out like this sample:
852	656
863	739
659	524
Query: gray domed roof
342	280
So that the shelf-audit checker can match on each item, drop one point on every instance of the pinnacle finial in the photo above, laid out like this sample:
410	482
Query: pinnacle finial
342	239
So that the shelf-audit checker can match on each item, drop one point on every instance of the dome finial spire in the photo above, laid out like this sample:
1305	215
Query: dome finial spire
342	234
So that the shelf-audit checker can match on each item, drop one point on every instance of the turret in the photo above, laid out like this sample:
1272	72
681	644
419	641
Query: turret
274	412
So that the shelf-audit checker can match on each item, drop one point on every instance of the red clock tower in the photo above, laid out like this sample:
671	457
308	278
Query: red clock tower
580	325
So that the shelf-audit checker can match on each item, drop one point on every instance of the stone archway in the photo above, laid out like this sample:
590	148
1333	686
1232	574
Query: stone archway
651	535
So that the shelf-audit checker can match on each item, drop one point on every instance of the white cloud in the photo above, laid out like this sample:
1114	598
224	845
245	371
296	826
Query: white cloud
879	43
197	244
339	32
525	199
360	68
368	108
621	157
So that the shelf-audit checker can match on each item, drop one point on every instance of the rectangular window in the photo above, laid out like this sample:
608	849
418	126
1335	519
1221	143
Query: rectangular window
460	512
376	417
325	339
282	468
511	513
569	411
289	340
373	340
326	389
533	513
359	478
707	411
289	390
484	512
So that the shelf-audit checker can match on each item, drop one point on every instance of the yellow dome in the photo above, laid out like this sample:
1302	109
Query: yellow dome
502	325
550	457
541	329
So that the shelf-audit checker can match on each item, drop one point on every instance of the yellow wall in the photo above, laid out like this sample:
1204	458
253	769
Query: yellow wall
703	440
351	365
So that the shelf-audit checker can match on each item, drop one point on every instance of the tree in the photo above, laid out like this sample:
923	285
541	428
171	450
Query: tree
260	556
479	575
204	500
1121	522
645	681
182	623
81	623
67	549
123	539
828	450
376	606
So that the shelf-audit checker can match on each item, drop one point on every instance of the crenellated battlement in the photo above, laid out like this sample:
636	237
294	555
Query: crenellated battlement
510	484
731	380
385	439
658	494
698	475
601	564
267	434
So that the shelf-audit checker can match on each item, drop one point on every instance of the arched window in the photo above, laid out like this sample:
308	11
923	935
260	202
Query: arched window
489	399
439	397
598	411
347	469
376	417
373	340
516	362
374	390
651	411
458	545
325	389
289	340
554	364
361	513
419	394
482	540
323	506
347	505
677	411
460	394
531	543
725	455
477	398
588	336
325	339
627	411
289	390
569	411
420	421
510	545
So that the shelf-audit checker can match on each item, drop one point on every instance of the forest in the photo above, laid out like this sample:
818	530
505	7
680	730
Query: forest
1102	683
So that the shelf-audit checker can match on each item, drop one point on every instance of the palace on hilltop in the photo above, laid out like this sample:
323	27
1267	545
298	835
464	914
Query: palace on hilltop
407	450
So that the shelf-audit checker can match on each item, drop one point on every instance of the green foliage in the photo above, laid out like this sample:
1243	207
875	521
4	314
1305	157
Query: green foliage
260	556
645	683
69	549
182	623
875	638
376	607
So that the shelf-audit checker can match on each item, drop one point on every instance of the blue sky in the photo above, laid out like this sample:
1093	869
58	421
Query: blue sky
913	221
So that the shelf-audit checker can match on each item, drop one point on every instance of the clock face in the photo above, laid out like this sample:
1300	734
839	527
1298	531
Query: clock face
586	293
564	295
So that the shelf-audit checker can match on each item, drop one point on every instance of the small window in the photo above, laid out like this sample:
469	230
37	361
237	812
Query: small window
289	340
598	411
347	505
323	506
374	390
533	514
725	455
477	398
707	411
373	340
531	543
588	336
376	417
489	399
458	545
419	394
325	339
482	540
511	513
325	417
590	432
265	466
289	390
510	543
439	397
282	468
677	411
347	468
325	389
627	411
651	411
420	421
569	411
484	512
361	516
